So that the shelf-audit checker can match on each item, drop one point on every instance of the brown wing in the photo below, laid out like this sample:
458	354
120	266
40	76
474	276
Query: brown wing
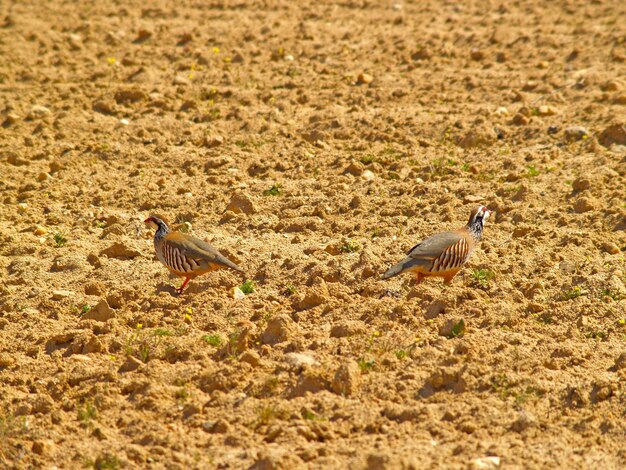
191	253
426	254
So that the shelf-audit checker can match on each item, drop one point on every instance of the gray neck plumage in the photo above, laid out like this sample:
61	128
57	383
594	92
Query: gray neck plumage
162	230
476	229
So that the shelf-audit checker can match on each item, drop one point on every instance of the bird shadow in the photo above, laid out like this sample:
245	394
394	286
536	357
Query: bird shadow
170	289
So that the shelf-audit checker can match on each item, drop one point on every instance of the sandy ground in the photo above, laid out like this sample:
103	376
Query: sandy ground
313	144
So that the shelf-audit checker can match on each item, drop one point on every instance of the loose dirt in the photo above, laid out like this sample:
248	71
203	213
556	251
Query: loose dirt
314	144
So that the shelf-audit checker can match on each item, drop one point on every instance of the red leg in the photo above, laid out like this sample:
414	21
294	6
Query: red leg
447	279
180	289
419	279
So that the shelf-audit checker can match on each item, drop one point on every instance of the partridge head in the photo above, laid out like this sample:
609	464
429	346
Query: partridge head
184	255
443	254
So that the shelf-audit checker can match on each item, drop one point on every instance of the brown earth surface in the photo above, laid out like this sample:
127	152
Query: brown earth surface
312	143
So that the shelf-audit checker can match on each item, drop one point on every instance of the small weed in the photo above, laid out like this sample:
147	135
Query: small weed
59	239
100	223
368	159
441	166
84	309
458	329
349	247
265	415
401	354
184	227
144	345
87	412
616	296
162	332
596	335
275	190
107	462
501	385
308	414
482	277
573	293
247	287
213	340
366	364
290	289
182	394
376	233
545	318
532	171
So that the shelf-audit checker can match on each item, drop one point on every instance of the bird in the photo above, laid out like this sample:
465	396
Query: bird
443	254
184	255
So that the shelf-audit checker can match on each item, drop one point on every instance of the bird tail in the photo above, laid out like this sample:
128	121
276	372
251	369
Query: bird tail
405	265
394	270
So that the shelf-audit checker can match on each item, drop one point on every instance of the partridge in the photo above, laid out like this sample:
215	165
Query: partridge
443	254
184	255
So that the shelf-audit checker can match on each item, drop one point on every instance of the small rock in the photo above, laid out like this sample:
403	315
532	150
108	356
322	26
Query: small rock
251	357
620	99
213	141
368	175
612	85
436	308
485	463
614	134
15	160
423	53
61	294
131	364
121	251
114	229
130	95
546	110
452	328
620	362
575	133
181	80
355	169
101	312
583	204
313	296
581	184
501	111
38	112
43	404
610	248
471	198
346	380
39	230
142	35
347	328
220	426
364	78
11	118
241	203
238	293
520	120
278	330
477	54
42	447
478	136
300	359
6	360
43	176
103	107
